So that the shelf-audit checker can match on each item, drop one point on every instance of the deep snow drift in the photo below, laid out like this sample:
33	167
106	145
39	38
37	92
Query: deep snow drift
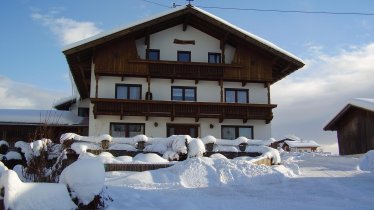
304	181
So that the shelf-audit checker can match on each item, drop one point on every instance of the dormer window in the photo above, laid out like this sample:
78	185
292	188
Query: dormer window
153	55
184	56
214	57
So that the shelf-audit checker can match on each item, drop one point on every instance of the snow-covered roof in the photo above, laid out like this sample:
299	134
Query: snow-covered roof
363	103
64	101
303	143
244	32
25	116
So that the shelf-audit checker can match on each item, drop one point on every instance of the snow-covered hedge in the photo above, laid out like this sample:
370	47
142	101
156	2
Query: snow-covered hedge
172	147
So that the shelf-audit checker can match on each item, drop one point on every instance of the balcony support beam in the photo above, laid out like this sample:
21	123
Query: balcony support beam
96	86
221	85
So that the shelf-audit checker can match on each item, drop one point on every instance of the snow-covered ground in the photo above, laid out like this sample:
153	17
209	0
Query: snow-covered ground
306	181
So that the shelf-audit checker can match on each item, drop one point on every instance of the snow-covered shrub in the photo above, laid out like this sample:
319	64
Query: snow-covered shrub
170	155
38	154
4	147
196	148
33	196
367	161
85	179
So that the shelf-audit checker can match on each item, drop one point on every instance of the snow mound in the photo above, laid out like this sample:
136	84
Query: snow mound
85	178
207	172
29	196
76	137
218	156
367	161
149	158
82	147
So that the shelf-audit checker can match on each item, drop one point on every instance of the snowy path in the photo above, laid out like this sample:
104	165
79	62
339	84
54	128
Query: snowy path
326	183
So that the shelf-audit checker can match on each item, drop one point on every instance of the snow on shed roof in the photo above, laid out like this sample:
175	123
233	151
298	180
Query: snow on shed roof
24	116
363	103
303	143
259	39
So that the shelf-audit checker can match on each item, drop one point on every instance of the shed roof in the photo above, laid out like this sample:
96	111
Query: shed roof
303	143
28	116
361	103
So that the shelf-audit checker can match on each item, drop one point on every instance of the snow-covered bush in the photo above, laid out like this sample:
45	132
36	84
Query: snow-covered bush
196	148
33	196
4	147
85	179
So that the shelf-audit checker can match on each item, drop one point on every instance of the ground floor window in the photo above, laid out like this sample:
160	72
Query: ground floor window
233	131
183	129
126	129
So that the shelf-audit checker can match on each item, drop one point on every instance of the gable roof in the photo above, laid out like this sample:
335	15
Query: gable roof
81	51
109	34
361	103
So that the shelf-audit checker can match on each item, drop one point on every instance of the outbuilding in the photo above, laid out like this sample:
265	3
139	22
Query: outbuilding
355	127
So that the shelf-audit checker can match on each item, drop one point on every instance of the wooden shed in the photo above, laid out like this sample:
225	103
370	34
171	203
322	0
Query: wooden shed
355	127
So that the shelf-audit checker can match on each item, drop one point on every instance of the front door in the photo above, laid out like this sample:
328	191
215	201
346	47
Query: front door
183	129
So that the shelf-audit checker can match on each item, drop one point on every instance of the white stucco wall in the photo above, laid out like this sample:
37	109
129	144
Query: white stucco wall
164	41
101	125
206	91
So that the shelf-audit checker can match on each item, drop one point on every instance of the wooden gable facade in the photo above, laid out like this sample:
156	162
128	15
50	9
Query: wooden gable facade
115	54
99	64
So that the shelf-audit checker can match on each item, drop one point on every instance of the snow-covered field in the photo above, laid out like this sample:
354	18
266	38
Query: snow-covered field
305	181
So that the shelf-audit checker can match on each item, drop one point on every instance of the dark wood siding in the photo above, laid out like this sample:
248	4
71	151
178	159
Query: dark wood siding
356	132
25	132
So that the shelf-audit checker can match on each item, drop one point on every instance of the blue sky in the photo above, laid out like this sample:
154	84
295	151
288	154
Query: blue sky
338	50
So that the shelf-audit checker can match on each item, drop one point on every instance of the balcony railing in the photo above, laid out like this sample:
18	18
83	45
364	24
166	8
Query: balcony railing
172	109
185	70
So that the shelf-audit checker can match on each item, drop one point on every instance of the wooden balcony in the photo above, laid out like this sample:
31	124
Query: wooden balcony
172	109
185	70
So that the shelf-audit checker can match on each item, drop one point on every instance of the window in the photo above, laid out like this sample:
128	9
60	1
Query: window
233	132
182	129
126	129
214	57
125	91
236	95
83	112
153	55
184	56
179	93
